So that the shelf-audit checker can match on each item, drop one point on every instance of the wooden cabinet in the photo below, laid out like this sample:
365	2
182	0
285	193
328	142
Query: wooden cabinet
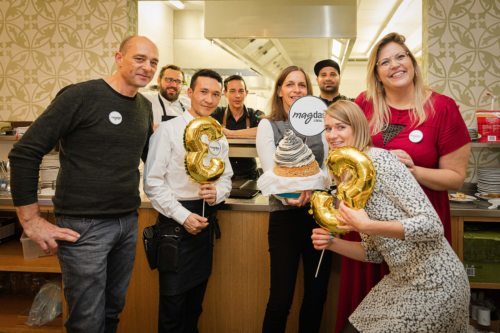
238	288
457	231
14	308
237	291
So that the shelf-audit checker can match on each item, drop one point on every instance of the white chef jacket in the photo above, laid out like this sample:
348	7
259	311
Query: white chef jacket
165	178
175	108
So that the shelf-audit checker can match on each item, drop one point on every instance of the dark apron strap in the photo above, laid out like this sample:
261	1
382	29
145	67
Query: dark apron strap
164	116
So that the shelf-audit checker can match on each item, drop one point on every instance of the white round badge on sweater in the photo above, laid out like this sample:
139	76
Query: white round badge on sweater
416	136
115	117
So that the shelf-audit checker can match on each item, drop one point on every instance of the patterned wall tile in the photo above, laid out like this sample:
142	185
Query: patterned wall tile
463	60
46	45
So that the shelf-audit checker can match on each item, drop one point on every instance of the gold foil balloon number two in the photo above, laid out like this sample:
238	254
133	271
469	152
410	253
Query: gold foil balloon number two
201	143
354	174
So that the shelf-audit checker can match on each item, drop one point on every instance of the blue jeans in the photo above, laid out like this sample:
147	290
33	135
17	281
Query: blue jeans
96	270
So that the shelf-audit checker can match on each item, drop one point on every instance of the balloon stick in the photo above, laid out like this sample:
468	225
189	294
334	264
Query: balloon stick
319	263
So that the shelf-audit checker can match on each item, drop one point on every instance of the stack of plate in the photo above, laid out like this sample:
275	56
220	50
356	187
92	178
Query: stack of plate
488	180
49	170
473	134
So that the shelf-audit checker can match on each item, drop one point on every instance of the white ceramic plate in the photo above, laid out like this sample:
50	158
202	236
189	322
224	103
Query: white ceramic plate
495	203
467	198
488	196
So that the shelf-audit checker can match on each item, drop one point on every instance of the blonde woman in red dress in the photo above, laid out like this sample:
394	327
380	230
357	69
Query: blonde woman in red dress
427	133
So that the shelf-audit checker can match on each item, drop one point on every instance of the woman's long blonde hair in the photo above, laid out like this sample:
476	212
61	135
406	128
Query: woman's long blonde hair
375	91
350	114
277	110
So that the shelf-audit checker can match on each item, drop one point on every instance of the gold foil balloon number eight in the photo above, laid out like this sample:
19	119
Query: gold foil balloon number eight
354	174
200	141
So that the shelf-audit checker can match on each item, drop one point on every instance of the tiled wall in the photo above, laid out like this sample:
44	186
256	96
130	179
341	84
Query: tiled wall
462	60
46	45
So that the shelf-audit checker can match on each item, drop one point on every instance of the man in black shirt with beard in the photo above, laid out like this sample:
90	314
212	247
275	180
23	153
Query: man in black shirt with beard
328	77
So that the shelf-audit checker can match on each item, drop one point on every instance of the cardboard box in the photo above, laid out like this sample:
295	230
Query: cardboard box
482	272
482	255
488	125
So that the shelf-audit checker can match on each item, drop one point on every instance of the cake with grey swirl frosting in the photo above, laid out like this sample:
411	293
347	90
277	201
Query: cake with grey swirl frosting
293	158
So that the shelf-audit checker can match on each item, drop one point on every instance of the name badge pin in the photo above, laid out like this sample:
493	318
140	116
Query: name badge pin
115	117
416	136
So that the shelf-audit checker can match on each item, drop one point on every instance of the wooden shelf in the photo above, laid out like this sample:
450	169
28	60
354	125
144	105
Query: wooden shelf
8	138
485	144
11	259
242	148
14	313
241	141
458	223
485	285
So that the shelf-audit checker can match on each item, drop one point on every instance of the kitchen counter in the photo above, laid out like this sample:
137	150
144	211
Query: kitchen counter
475	208
239	286
260	204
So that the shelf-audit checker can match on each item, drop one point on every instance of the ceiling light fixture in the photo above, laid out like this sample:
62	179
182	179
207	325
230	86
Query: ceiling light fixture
401	8
177	4
336	48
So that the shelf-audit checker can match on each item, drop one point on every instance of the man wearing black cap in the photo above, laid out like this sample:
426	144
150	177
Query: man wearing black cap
328	77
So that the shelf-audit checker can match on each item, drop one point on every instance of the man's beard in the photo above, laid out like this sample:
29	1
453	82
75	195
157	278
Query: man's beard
170	98
330	89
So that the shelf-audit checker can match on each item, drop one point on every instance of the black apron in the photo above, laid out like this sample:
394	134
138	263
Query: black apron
164	116
193	253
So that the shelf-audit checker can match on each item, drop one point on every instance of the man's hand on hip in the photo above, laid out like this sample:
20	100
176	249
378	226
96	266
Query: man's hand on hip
41	231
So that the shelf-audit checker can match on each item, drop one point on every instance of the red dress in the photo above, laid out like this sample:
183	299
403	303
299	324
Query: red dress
443	132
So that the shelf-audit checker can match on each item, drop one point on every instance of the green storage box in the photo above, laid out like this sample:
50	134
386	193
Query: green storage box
482	254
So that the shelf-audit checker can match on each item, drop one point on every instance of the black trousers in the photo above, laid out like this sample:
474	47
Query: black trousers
182	290
290	239
180	313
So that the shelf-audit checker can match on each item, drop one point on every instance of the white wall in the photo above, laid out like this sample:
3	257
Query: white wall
353	79
156	21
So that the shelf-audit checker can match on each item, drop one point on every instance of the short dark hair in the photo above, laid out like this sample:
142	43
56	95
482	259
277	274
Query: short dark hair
173	67
234	78
205	73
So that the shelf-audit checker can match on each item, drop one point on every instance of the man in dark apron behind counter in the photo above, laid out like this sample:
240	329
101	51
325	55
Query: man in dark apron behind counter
167	103
239	121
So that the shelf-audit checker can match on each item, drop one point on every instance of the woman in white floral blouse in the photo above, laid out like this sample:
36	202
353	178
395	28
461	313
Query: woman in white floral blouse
427	289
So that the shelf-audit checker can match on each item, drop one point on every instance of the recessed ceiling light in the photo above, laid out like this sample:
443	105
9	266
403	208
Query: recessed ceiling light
177	4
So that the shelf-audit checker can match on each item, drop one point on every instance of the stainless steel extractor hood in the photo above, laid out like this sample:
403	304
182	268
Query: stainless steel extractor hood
271	35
